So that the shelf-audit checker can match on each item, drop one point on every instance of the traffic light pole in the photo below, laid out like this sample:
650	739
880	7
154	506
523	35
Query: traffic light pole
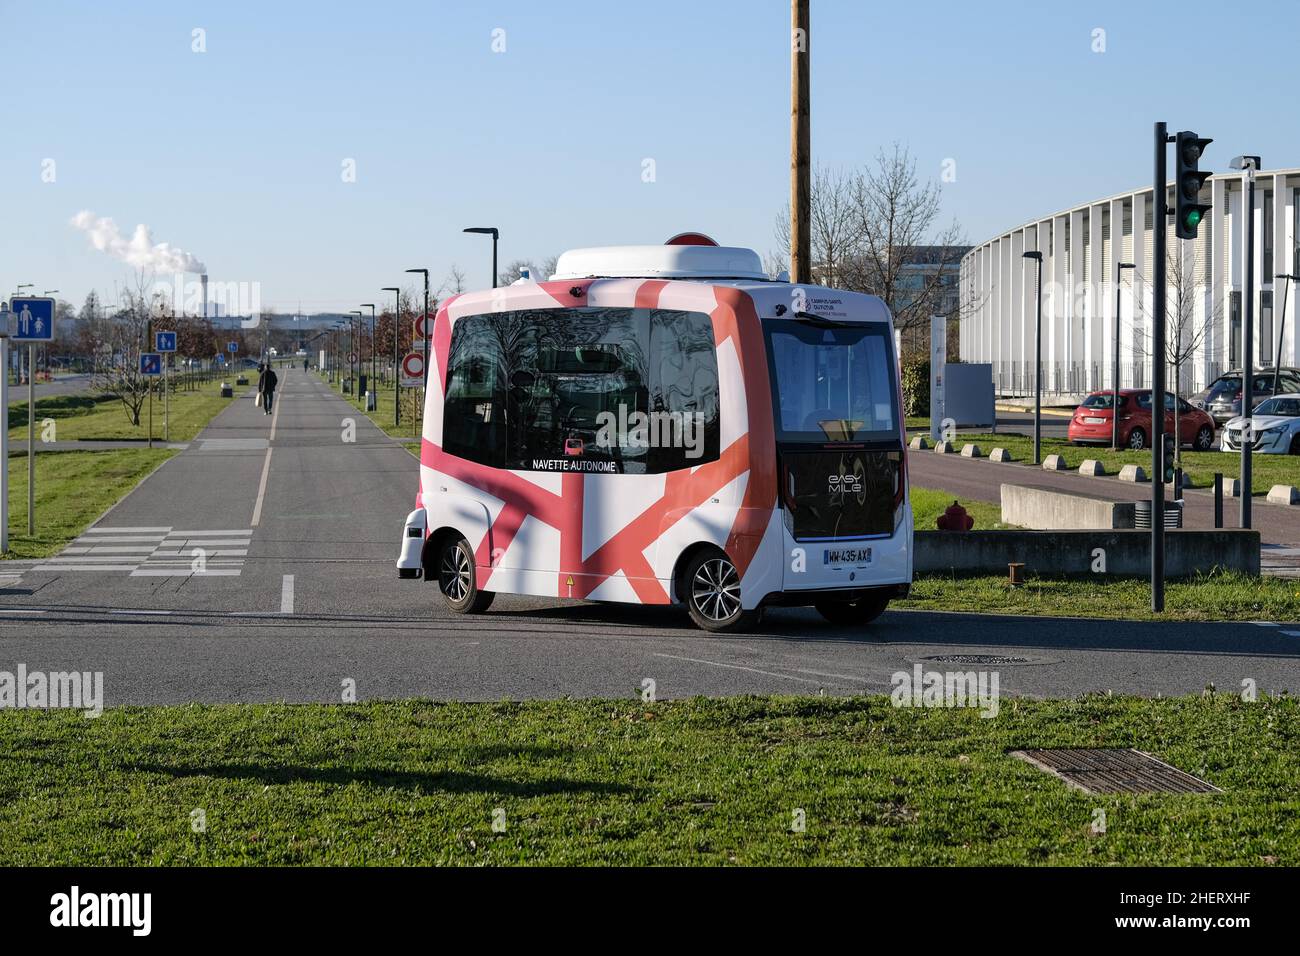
1247	355
1159	228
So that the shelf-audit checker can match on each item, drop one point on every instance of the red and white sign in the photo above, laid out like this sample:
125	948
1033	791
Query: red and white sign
412	370
423	326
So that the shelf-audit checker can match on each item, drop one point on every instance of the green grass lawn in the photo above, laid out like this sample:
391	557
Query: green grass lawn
712	782
1220	596
929	503
73	488
383	413
105	418
1200	466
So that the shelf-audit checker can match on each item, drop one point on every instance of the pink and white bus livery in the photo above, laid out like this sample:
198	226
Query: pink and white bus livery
664	424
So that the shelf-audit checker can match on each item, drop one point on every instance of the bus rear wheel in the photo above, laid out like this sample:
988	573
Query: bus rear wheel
712	592
458	578
862	611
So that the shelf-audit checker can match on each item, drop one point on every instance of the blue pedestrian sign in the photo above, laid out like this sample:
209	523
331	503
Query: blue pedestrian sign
33	319
232	346
150	363
164	342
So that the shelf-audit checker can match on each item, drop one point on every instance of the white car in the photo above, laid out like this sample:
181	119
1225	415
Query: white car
1275	425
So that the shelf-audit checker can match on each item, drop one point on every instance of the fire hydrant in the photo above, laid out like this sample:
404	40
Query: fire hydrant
955	519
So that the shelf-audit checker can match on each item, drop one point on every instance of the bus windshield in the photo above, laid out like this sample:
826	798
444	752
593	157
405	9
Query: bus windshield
833	384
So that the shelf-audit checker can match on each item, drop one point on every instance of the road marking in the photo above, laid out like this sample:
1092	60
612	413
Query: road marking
1292	633
130	611
286	595
738	667
275	417
261	490
126	530
19	610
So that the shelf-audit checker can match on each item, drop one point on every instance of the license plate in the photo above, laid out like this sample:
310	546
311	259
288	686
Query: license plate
836	557
1095	421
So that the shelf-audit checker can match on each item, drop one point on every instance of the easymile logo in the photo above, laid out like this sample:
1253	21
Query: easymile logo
134	910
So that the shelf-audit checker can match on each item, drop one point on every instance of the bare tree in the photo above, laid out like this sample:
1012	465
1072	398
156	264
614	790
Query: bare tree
1185	331
454	284
876	231
117	369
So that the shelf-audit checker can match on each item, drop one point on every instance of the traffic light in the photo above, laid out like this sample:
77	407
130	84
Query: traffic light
1189	210
1167	458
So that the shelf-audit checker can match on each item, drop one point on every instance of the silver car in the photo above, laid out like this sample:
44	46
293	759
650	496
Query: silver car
1275	427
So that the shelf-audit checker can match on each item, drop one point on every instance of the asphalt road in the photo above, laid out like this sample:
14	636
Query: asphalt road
299	531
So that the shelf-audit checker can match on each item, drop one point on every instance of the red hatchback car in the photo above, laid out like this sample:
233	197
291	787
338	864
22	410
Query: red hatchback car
1091	423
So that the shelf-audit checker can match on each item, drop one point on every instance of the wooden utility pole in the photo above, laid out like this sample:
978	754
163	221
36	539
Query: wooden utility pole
800	146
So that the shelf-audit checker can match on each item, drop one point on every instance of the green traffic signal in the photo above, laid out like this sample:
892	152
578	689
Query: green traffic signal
1193	218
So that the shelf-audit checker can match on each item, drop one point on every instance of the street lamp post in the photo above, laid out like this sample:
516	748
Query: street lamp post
1114	368
1037	256
428	354
1281	328
354	350
397	385
1250	166
371	384
488	231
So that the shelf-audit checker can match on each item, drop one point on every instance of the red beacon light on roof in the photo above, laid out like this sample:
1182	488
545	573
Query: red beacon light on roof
690	239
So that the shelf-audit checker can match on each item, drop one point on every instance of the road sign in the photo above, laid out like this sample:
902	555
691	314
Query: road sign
352	358
33	318
412	370
150	363
423	323
164	341
232	346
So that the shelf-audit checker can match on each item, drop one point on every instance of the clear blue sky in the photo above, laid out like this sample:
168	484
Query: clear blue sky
235	154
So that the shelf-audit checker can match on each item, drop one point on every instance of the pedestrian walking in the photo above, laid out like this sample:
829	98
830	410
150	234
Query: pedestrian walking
266	382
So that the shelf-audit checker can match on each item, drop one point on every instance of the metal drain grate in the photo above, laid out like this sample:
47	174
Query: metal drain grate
988	660
1114	771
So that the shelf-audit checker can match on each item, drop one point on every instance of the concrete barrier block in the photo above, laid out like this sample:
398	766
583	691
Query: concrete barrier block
1187	552
943	448
1132	473
1187	482
1284	495
1232	487
1092	467
1000	454
971	450
1053	463
1047	509
919	443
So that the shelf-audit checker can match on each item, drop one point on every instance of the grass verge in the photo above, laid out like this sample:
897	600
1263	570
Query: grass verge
104	418
1218	596
1199	466
697	781
383	413
929	503
73	488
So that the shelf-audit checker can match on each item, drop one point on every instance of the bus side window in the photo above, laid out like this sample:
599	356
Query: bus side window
683	391
474	419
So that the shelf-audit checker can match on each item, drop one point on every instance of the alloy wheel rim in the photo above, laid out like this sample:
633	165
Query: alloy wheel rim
716	589
455	576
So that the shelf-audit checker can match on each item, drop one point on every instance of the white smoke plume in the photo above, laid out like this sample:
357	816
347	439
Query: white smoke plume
140	251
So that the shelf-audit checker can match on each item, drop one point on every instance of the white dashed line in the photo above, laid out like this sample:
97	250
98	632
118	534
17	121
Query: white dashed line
286	595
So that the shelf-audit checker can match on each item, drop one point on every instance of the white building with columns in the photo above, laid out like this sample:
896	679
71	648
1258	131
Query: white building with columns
1081	248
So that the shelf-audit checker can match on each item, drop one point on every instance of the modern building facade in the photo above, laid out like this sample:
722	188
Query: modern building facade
1081	249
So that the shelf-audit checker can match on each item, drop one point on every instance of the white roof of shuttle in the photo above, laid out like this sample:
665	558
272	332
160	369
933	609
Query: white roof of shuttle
660	262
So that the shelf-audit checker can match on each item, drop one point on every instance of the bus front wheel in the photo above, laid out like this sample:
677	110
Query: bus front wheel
862	611
458	578
712	592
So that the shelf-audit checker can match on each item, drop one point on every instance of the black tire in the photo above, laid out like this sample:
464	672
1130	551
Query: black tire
711	590
457	577
862	611
1137	440
1204	438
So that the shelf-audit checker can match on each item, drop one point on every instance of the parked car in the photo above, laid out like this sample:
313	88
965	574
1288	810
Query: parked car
1276	424
1223	398
1091	423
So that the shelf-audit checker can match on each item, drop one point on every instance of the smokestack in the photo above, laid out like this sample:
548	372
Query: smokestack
204	280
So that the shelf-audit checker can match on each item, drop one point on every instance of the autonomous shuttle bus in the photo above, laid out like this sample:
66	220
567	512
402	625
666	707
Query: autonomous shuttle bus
664	424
